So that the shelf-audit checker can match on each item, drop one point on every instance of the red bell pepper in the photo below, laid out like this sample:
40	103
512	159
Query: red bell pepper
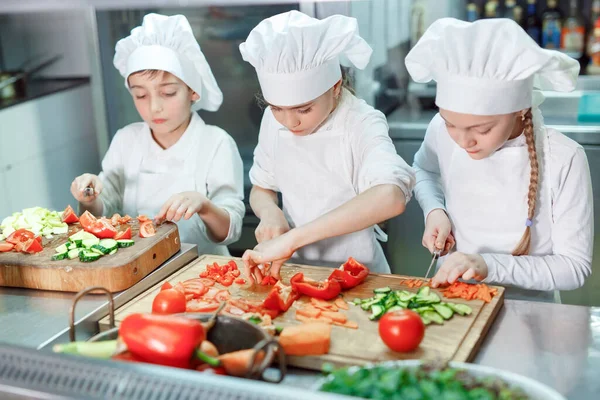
326	290
69	216
162	339
280	298
350	274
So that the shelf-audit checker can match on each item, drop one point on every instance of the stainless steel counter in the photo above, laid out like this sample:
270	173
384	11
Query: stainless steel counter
558	345
36	318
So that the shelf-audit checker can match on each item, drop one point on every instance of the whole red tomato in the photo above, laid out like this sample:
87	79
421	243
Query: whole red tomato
401	331
169	301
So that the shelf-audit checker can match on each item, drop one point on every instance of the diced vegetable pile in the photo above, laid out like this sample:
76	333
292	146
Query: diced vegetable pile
38	220
87	247
425	302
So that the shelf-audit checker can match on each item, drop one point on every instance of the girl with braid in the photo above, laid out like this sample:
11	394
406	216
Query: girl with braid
514	195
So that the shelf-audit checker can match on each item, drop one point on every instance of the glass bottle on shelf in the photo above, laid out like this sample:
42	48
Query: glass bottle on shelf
532	22
472	12
509	8
491	9
573	32
551	26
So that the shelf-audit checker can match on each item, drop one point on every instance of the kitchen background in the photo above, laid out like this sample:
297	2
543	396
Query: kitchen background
57	123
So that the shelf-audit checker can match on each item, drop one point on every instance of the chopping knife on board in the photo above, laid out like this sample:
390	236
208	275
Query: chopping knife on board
450	242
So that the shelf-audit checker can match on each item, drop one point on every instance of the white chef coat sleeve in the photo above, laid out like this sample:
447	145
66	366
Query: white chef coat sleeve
262	172
225	186
113	175
572	238
428	189
376	157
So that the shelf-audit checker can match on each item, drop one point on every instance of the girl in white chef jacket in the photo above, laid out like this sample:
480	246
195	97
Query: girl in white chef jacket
515	193
171	166
328	153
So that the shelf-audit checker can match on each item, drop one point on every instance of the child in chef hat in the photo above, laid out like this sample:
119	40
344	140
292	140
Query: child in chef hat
327	152
515	194
173	165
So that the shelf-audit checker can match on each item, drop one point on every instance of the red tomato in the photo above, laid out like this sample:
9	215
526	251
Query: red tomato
206	282
166	286
402	331
195	287
142	218
223	295
147	229
5	246
240	281
226	280
69	216
169	301
32	246
20	235
102	229
87	220
235	273
126	234
201	306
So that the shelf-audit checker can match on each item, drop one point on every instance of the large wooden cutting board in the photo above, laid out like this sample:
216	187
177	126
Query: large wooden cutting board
117	272
458	339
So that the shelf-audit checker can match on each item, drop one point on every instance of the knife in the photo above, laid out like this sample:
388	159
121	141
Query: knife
434	256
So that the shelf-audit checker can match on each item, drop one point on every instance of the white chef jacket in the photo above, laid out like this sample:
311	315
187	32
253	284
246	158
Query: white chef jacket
350	153
486	201
139	176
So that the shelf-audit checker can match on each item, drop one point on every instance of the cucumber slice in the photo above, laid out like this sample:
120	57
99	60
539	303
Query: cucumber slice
422	309
380	295
382	290
128	243
404	296
88	256
444	311
424	291
112	252
367	306
434	317
109	244
62	249
431	298
99	248
74	253
96	250
376	312
88	243
425	320
461	309
395	308
356	301
389	302
70	245
59	256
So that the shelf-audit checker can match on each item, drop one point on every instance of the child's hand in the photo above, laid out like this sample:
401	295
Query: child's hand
274	252
184	205
80	183
438	232
460	265
272	225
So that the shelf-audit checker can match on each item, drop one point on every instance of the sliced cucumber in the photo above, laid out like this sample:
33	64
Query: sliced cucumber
461	309
112	252
109	244
71	245
395	308
424	291
380	295
96	250
376	312
422	309
404	296
62	249
389	302
128	243
74	253
367	306
88	243
445	311
99	248
434	317
88	256
430	298
80	236
59	256
356	301
383	290
425	320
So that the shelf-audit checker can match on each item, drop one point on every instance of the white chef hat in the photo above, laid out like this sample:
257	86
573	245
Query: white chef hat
488	67
297	58
168	44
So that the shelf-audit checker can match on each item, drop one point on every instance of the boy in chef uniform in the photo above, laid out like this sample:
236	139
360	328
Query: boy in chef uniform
515	194
327	152
172	166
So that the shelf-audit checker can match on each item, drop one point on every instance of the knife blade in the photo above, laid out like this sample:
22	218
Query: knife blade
435	255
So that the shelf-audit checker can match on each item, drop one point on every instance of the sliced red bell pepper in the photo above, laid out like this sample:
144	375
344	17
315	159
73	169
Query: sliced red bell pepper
69	216
319	290
123	235
350	274
162	339
32	246
280	298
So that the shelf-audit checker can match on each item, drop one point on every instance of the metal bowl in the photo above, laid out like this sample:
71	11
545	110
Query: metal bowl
532	388
228	334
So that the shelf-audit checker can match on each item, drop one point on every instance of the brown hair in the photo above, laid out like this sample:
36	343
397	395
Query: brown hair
346	84
525	242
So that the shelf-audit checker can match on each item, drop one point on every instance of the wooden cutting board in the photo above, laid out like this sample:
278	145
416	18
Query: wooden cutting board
457	340
117	272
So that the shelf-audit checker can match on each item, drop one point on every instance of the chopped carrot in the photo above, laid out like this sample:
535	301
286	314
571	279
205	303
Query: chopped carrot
334	316
237	363
323	305
469	291
309	312
347	324
306	339
341	303
325	319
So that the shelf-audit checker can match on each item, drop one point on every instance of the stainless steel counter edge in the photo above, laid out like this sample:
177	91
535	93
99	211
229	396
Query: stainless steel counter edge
96	307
